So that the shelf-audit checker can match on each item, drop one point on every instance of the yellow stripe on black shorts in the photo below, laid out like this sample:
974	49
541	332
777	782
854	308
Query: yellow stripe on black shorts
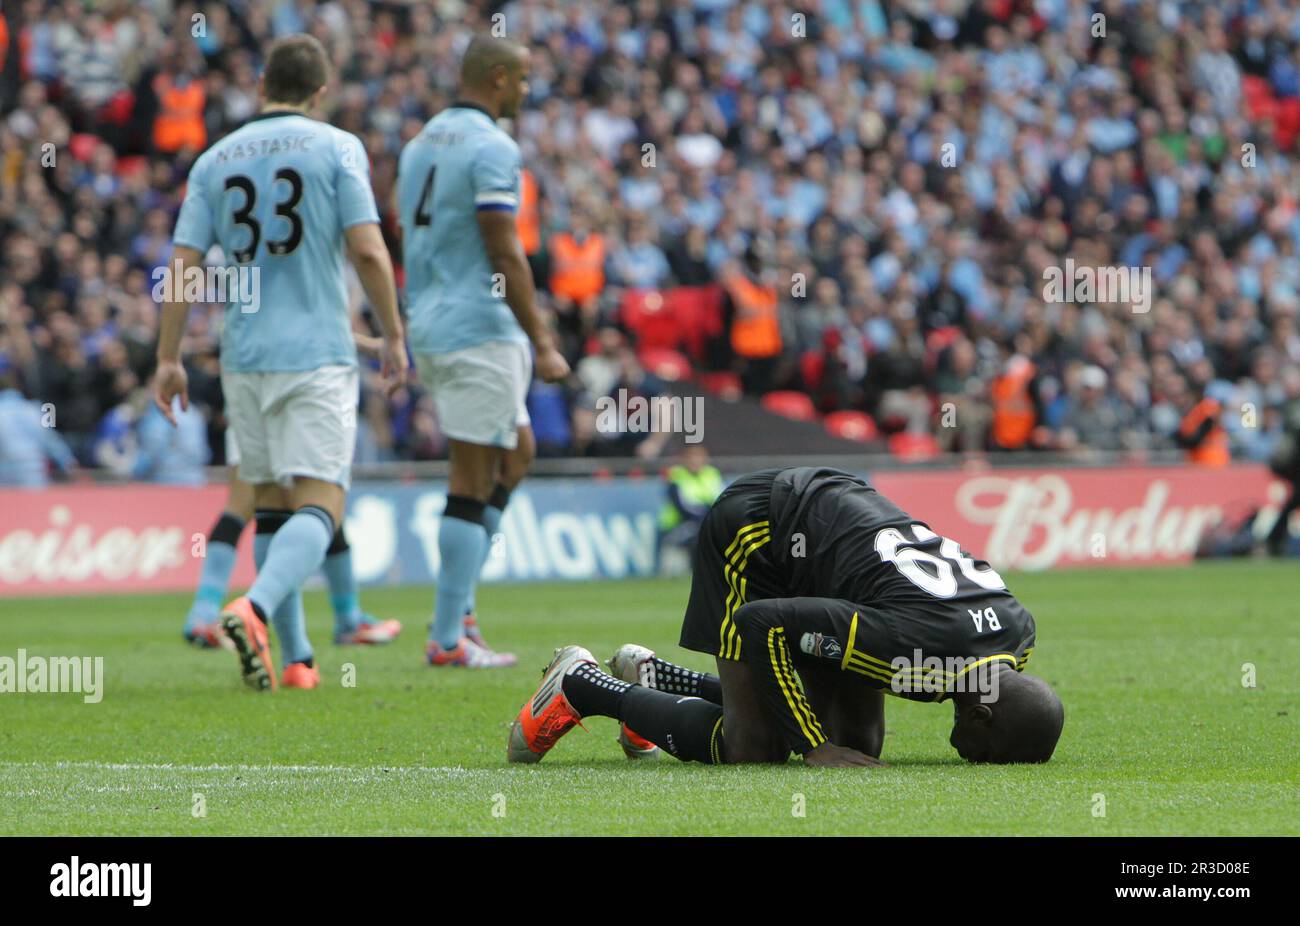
779	653
748	539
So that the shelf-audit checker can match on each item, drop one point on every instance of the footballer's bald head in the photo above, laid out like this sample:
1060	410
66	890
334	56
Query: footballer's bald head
494	75
484	55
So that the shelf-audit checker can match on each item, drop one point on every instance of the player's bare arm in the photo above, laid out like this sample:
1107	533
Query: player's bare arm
369	254
506	254
170	380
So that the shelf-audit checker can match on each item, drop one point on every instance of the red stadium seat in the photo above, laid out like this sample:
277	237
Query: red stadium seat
1286	122
1257	95
723	383
132	165
812	365
910	445
697	314
650	319
82	145
852	425
666	363
789	404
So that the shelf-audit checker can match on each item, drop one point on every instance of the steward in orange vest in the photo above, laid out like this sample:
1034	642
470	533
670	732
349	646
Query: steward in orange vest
528	220
755	324
180	118
1015	404
577	265
1201	434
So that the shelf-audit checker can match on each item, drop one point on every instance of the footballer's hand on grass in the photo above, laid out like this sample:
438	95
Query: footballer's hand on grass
393	364
551	365
828	755
169	382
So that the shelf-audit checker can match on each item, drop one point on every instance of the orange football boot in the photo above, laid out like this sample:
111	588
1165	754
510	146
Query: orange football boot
548	715
300	675
252	643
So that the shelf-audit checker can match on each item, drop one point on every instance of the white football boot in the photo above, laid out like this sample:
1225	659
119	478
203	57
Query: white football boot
634	664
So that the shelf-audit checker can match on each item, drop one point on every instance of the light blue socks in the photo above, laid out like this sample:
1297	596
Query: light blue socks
461	547
285	558
218	564
344	597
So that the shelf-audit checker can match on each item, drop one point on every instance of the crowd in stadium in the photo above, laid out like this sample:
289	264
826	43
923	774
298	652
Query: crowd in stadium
860	199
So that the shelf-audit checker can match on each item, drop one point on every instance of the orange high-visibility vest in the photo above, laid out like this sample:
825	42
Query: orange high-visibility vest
529	220
577	270
180	119
1013	407
1213	451
756	328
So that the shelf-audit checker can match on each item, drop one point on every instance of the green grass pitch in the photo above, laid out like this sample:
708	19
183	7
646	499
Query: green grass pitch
1161	735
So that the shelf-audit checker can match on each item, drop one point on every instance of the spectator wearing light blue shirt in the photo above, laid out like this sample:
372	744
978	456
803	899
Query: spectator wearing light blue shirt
26	443
640	263
174	456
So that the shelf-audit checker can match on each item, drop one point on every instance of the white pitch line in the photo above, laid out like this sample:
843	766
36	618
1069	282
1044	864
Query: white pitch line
308	769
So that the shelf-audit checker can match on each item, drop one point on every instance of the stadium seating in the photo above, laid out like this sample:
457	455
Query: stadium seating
852	425
911	270
789	404
666	363
650	319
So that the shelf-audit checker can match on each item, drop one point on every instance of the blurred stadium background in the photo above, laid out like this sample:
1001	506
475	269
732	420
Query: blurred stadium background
827	222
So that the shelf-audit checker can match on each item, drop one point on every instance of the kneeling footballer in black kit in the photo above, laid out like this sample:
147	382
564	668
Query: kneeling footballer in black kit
810	575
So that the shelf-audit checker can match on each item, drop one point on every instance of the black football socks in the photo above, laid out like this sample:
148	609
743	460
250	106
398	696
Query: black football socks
680	680
689	727
591	691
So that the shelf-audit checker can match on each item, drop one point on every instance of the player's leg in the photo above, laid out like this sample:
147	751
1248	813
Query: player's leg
514	466
641	666
202	624
692	729
689	727
352	625
1277	537
307	427
515	362
461	539
345	601
476	392
749	734
573	686
852	710
728	563
288	539
821	630
248	631
288	536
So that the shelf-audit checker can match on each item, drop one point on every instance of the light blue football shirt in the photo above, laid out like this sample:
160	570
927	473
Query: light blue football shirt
460	163
277	194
